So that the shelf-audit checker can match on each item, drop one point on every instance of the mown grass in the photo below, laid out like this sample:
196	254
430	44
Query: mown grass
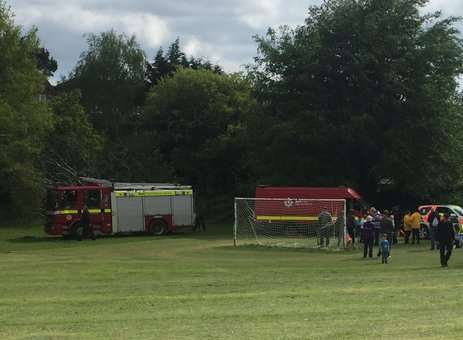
197	286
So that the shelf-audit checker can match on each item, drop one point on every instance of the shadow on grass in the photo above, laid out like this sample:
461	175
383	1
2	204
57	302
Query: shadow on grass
122	236
37	239
263	248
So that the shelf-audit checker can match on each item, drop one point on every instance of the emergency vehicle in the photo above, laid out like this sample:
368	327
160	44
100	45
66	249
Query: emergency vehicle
154	208
294	208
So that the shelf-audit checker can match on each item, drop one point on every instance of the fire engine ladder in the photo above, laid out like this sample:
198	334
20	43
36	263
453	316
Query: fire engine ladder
150	186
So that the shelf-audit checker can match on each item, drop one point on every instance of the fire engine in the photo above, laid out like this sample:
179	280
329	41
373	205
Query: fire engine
154	208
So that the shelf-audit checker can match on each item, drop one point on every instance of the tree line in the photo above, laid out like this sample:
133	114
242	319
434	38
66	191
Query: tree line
364	94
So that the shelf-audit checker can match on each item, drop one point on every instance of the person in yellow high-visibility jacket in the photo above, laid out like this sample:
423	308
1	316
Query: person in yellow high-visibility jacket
415	222
407	226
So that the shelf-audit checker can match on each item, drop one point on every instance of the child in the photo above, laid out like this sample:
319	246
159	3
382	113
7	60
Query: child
384	246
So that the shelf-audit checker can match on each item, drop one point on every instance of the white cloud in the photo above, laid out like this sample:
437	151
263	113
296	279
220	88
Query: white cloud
220	30
259	13
193	46
448	7
150	29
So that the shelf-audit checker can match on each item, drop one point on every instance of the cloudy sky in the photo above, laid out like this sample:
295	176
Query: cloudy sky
220	30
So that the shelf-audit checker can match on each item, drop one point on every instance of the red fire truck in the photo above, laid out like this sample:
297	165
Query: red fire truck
155	208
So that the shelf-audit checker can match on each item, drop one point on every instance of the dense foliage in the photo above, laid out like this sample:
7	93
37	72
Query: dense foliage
363	93
196	119
24	119
74	146
166	64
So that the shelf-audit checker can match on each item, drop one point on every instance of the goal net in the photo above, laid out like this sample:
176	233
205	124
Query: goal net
300	223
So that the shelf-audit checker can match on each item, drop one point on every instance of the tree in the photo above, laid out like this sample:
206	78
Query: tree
166	64
74	147
110	76
46	63
363	92
24	120
196	117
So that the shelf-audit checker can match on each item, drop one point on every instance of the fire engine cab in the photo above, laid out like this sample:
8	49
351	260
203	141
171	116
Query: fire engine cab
155	208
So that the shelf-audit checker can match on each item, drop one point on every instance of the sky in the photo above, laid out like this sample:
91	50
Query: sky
219	30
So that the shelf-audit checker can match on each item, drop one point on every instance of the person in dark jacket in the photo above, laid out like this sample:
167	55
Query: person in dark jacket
377	225
325	222
351	224
398	220
387	228
446	237
368	237
200	224
86	226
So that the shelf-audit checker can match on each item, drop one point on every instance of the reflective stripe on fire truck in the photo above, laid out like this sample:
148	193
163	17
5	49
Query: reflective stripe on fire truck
97	211
65	212
151	193
288	218
75	212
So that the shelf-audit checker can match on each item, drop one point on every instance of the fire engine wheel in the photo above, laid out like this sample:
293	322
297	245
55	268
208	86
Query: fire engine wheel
77	231
158	227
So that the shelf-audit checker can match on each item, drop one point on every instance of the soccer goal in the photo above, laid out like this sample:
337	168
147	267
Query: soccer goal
296	223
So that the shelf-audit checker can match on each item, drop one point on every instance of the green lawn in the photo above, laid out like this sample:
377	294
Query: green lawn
197	286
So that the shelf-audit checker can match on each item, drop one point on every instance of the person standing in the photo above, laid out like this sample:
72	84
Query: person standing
359	221
398	223
368	235
433	222
350	225
415	221
339	226
199	223
87	229
325	222
385	247
387	228
377	224
446	237
407	226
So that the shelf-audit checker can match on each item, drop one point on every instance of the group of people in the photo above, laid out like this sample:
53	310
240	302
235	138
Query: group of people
382	230
369	229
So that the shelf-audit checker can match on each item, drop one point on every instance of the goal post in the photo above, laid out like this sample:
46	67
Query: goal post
295	223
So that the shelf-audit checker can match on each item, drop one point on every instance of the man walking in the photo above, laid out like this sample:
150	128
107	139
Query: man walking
446	237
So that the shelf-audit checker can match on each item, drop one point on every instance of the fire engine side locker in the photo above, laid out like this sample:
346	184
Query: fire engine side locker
182	210
127	214
129	211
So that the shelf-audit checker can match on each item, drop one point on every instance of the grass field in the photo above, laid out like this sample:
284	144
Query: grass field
197	286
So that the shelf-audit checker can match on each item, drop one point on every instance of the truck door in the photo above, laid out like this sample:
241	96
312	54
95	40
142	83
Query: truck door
93	201
106	211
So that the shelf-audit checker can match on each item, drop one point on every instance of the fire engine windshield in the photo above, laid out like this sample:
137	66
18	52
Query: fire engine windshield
61	199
